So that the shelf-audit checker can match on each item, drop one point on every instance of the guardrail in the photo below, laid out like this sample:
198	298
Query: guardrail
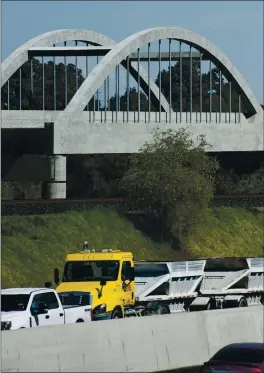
147	344
47	206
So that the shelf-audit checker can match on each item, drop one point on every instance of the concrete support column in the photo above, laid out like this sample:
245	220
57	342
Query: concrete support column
56	186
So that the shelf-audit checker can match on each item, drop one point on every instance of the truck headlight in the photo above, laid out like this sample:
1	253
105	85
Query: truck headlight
6	325
100	309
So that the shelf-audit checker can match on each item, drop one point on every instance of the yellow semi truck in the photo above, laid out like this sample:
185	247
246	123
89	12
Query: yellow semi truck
108	276
116	286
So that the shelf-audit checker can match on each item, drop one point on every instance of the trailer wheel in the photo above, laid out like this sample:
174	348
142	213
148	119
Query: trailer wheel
208	307
242	302
163	310
116	314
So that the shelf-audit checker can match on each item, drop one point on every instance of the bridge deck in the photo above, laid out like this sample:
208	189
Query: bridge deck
38	118
126	132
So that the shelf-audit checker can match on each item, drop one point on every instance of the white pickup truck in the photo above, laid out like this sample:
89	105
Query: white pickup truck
32	307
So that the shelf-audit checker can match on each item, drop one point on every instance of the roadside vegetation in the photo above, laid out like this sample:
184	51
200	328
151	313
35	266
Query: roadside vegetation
171	179
105	182
33	245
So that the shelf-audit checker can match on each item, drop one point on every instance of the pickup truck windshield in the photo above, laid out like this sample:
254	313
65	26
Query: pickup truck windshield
95	270
14	302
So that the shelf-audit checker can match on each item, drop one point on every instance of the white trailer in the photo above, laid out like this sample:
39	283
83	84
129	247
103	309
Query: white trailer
166	287
169	287
223	288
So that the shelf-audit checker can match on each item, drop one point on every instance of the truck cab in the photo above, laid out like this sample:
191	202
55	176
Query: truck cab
108	275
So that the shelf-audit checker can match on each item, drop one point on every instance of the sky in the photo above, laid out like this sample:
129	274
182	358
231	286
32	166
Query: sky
235	27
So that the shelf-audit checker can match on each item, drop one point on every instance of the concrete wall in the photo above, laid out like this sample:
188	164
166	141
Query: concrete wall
145	344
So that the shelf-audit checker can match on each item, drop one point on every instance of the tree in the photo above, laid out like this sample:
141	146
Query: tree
171	179
96	175
253	183
226	182
133	101
195	79
32	89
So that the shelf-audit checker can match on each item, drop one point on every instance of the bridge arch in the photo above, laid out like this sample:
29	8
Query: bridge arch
16	59
121	50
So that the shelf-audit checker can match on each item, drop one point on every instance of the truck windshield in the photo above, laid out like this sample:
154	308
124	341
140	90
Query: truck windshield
14	302
91	270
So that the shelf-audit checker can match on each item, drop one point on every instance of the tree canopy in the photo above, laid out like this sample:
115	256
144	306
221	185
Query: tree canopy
171	178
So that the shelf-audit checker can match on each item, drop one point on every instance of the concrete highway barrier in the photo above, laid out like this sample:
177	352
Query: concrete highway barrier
147	344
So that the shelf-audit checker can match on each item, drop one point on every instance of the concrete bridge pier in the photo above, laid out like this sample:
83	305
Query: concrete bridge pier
56	186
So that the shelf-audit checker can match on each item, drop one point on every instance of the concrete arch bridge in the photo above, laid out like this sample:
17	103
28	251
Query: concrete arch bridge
111	95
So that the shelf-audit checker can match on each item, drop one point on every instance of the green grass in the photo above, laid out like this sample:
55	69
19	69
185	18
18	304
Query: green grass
228	232
33	245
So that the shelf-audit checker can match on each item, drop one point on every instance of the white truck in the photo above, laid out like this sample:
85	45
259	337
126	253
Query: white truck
32	307
168	287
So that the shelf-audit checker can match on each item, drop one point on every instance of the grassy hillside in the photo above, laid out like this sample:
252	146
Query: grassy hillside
33	245
226	231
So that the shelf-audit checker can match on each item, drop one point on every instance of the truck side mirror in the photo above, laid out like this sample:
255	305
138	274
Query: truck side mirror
48	284
102	282
56	276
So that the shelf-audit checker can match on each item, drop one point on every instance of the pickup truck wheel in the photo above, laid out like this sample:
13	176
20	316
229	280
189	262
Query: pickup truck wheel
116	314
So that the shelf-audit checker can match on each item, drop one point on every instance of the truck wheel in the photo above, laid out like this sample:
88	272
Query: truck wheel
204	307
163	310
116	314
208	307
79	320
242	302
